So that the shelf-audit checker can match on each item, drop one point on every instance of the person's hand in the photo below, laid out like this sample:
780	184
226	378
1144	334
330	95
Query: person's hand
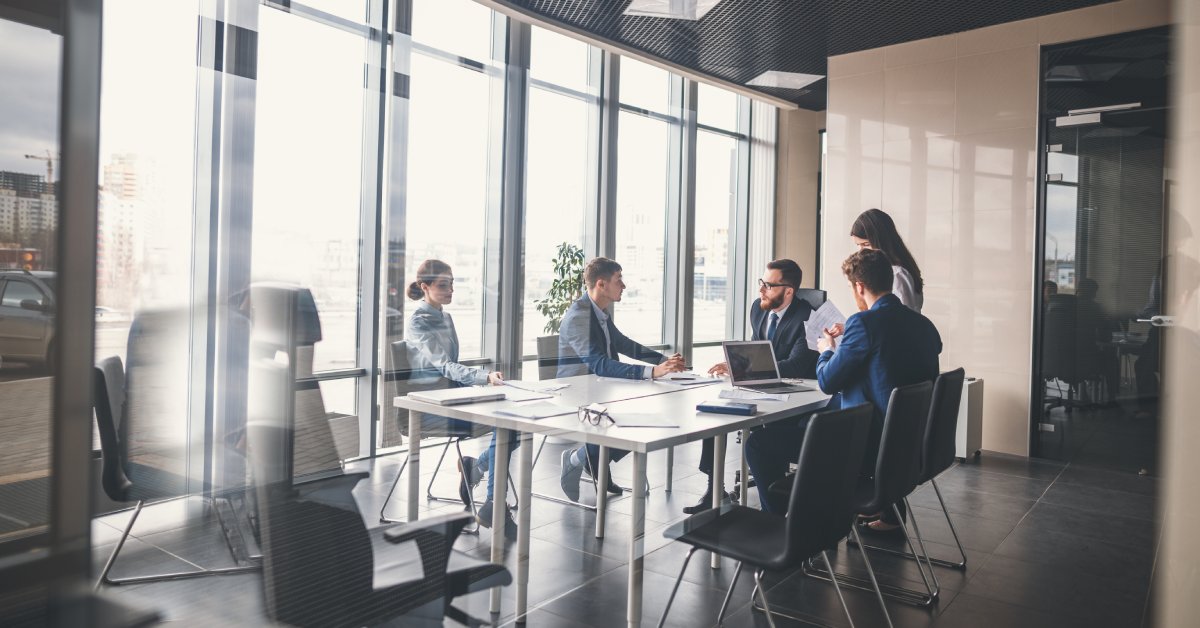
837	329
827	342
719	370
496	378
673	364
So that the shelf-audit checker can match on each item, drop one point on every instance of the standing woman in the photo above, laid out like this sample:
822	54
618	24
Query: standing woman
874	229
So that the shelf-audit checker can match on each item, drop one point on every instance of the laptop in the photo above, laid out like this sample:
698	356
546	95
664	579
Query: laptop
752	366
456	396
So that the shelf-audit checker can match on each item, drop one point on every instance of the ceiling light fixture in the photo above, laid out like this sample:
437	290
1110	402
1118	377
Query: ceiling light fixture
675	9
784	80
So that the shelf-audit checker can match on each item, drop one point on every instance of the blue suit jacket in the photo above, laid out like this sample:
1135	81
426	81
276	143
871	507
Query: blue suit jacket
792	354
582	348
882	348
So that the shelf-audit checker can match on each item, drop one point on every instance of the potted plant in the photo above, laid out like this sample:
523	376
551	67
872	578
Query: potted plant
565	289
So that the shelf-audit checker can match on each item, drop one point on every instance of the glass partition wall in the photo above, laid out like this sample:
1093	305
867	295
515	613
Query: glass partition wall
325	151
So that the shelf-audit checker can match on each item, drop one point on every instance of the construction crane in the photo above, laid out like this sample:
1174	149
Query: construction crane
49	159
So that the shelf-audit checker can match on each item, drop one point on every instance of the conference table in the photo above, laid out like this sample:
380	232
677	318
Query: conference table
629	401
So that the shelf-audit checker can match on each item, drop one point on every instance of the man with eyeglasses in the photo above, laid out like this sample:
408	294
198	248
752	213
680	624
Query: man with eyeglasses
778	316
589	342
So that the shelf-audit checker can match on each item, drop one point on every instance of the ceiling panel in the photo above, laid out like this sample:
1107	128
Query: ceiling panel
740	39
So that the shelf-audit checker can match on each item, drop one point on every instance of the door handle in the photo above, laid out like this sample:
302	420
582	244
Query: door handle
1159	321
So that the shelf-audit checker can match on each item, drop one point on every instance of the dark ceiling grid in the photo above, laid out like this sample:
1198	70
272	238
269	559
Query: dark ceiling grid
740	39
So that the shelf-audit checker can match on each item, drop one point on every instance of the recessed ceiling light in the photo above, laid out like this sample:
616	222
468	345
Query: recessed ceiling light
785	80
676	9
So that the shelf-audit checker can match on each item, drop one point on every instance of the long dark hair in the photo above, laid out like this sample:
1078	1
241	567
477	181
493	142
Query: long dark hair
427	272
876	227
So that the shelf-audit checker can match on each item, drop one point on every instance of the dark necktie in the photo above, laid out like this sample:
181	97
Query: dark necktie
771	326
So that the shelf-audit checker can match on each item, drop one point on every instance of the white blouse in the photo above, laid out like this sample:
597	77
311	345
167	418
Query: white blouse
905	288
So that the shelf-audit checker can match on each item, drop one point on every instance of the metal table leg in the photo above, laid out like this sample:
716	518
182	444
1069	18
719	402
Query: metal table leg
718	476
414	463
601	491
499	504
524	490
637	533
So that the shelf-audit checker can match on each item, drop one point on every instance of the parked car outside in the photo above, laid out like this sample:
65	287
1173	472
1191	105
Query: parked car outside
27	307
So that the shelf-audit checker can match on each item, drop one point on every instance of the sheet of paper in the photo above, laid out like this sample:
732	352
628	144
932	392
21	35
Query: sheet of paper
688	379
751	395
512	393
641	419
824	317
536	386
536	410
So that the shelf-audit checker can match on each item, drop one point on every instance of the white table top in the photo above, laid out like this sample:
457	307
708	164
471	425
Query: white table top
643	397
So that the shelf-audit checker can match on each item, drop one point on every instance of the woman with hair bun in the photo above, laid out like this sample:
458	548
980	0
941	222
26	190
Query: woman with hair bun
434	340
874	229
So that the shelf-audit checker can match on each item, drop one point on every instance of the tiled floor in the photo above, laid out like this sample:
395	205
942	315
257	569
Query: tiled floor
1048	544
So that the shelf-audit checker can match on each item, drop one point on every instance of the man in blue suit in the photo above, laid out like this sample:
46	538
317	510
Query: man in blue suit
589	342
778	316
884	346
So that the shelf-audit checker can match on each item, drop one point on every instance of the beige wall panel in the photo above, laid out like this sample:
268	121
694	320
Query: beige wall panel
997	90
856	63
855	114
919	101
920	51
997	38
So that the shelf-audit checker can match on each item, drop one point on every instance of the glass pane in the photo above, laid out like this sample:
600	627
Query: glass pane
645	86
642	185
558	59
29	163
716	201
556	196
460	27
309	234
717	107
448	155
326	425
1061	216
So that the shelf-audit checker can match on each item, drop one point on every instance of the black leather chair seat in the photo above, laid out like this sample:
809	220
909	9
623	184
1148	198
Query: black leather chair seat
743	534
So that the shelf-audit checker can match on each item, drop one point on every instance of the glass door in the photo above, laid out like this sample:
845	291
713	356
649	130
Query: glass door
1098	373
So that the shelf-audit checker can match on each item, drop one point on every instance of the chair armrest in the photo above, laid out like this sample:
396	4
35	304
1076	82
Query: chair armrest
434	538
451	526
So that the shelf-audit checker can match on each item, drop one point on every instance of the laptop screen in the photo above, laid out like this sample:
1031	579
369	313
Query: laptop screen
751	361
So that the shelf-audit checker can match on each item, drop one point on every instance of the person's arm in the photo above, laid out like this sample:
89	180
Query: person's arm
903	288
630	348
576	334
836	370
433	352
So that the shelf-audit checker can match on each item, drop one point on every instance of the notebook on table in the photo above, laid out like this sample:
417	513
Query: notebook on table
752	366
457	396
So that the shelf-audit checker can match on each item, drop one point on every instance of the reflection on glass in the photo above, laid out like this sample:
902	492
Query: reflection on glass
716	201
716	107
642	187
558	59
460	27
307	194
1061	218
29	167
448	155
556	194
353	10
645	86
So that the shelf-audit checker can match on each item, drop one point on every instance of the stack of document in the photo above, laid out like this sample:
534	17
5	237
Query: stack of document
536	410
688	379
752	395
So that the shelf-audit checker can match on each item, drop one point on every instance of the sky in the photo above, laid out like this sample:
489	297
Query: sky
29	65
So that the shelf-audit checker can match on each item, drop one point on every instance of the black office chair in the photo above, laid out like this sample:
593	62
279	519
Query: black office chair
897	468
399	380
815	298
323	567
937	453
820	511
119	473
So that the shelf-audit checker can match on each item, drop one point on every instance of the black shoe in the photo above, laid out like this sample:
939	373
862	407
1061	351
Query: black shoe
485	520
613	487
704	504
468	478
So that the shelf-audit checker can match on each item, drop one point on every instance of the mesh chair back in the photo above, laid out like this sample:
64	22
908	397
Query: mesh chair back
401	379
815	298
821	506
942	429
109	404
899	460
